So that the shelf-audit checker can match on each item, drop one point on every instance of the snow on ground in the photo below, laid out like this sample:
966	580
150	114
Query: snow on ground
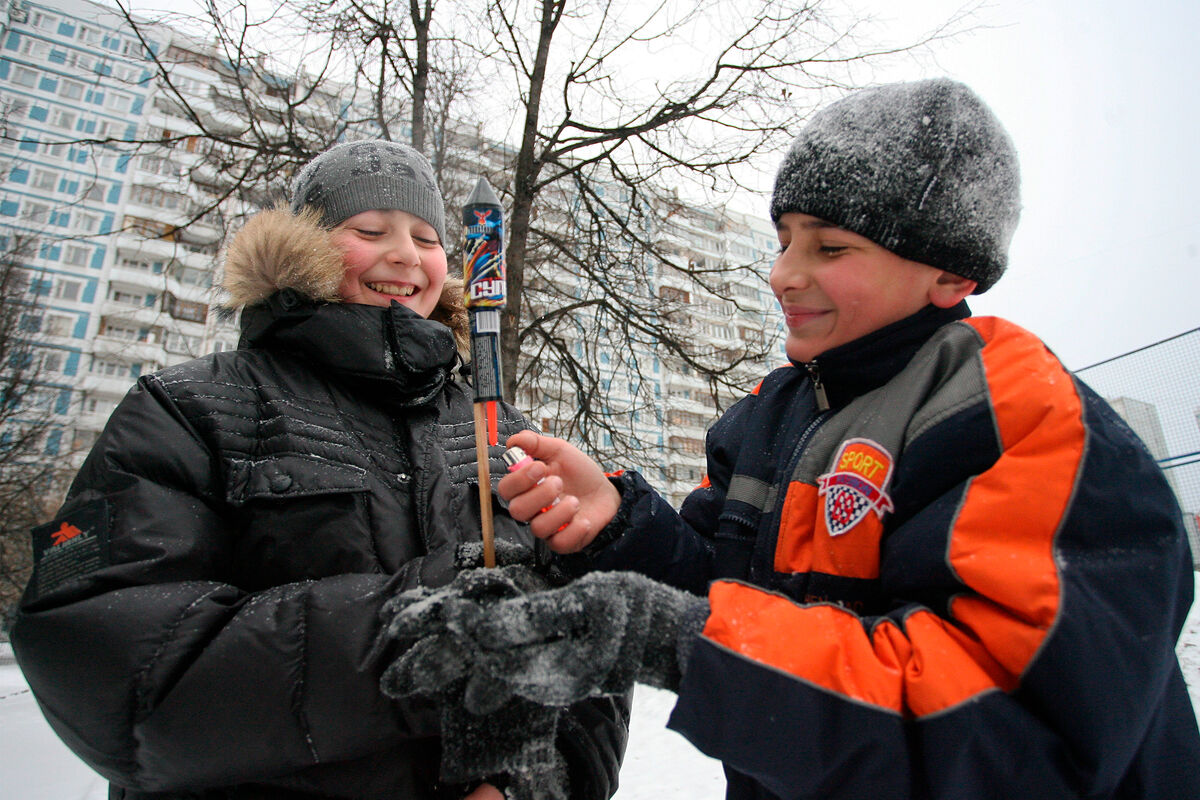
659	764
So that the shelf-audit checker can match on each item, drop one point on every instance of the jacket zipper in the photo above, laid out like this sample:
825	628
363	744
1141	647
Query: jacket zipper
771	532
814	373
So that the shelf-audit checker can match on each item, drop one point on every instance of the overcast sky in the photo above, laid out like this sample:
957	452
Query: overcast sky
1103	101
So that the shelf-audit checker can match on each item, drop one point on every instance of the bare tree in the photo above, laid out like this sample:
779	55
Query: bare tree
628	113
622	117
33	453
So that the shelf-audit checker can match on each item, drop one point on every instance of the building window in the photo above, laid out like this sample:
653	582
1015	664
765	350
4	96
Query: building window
671	294
95	192
46	22
183	344
153	196
70	89
139	264
76	256
127	73
112	369
126	298
34	48
184	309
23	76
88	223
88	34
101	405
121	103
685	444
44	179
64	119
52	362
126	333
65	289
54	150
80	61
59	325
37	213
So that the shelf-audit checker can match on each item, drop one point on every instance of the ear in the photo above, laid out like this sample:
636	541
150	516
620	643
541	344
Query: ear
949	289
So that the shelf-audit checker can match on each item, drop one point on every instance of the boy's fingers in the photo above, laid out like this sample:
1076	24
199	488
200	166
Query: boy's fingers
528	441
554	516
516	483
527	505
573	538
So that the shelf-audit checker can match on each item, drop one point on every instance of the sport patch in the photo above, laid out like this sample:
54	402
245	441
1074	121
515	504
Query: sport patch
70	547
857	485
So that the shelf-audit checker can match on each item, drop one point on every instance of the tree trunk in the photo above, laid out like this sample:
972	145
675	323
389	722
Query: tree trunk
525	179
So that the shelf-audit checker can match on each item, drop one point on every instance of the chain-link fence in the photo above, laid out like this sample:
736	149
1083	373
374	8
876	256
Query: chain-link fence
1157	390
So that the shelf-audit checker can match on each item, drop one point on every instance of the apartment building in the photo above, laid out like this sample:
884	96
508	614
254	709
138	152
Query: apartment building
121	293
125	239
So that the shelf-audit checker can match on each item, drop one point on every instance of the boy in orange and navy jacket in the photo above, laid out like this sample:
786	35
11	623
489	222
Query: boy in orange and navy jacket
926	561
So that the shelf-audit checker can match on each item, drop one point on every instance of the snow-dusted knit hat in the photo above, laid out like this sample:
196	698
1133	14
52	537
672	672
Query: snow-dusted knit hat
353	177
924	169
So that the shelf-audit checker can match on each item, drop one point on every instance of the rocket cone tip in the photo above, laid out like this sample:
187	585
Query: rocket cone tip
483	194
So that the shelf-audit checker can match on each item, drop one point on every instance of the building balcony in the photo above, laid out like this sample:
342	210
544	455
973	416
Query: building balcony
144	316
125	350
106	384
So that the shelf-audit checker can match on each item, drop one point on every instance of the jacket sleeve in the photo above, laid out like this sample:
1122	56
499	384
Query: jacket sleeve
158	672
1038	589
683	549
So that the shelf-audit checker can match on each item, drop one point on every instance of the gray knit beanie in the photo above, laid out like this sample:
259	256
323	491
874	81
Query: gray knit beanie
924	169
353	177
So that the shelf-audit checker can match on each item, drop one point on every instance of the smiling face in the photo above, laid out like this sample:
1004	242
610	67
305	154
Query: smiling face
390	256
835	286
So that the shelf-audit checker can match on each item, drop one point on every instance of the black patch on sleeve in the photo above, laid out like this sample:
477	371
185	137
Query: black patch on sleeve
70	547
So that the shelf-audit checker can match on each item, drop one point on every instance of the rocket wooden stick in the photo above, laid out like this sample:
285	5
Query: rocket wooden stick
483	283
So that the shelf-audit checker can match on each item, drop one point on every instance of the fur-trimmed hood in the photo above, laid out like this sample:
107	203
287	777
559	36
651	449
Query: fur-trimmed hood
279	250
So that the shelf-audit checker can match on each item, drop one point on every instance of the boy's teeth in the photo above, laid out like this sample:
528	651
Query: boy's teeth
387	288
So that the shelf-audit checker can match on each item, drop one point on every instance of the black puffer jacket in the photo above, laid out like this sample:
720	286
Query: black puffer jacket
203	618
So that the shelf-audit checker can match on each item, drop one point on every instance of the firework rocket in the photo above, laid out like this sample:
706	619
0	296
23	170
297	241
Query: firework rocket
483	284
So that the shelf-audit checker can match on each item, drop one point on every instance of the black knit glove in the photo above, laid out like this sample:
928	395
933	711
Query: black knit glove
596	636
511	737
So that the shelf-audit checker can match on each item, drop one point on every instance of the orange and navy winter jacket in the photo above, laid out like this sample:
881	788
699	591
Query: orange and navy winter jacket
964	579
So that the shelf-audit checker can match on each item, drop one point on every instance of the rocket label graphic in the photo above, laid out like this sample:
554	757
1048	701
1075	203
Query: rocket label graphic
483	253
484	287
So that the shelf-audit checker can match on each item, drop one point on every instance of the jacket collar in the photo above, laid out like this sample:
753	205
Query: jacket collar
855	368
408	357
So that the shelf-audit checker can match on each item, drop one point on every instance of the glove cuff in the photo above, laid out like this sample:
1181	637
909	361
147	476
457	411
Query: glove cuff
676	622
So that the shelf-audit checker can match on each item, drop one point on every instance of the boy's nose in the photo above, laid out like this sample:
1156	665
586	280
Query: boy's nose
790	272
402	249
